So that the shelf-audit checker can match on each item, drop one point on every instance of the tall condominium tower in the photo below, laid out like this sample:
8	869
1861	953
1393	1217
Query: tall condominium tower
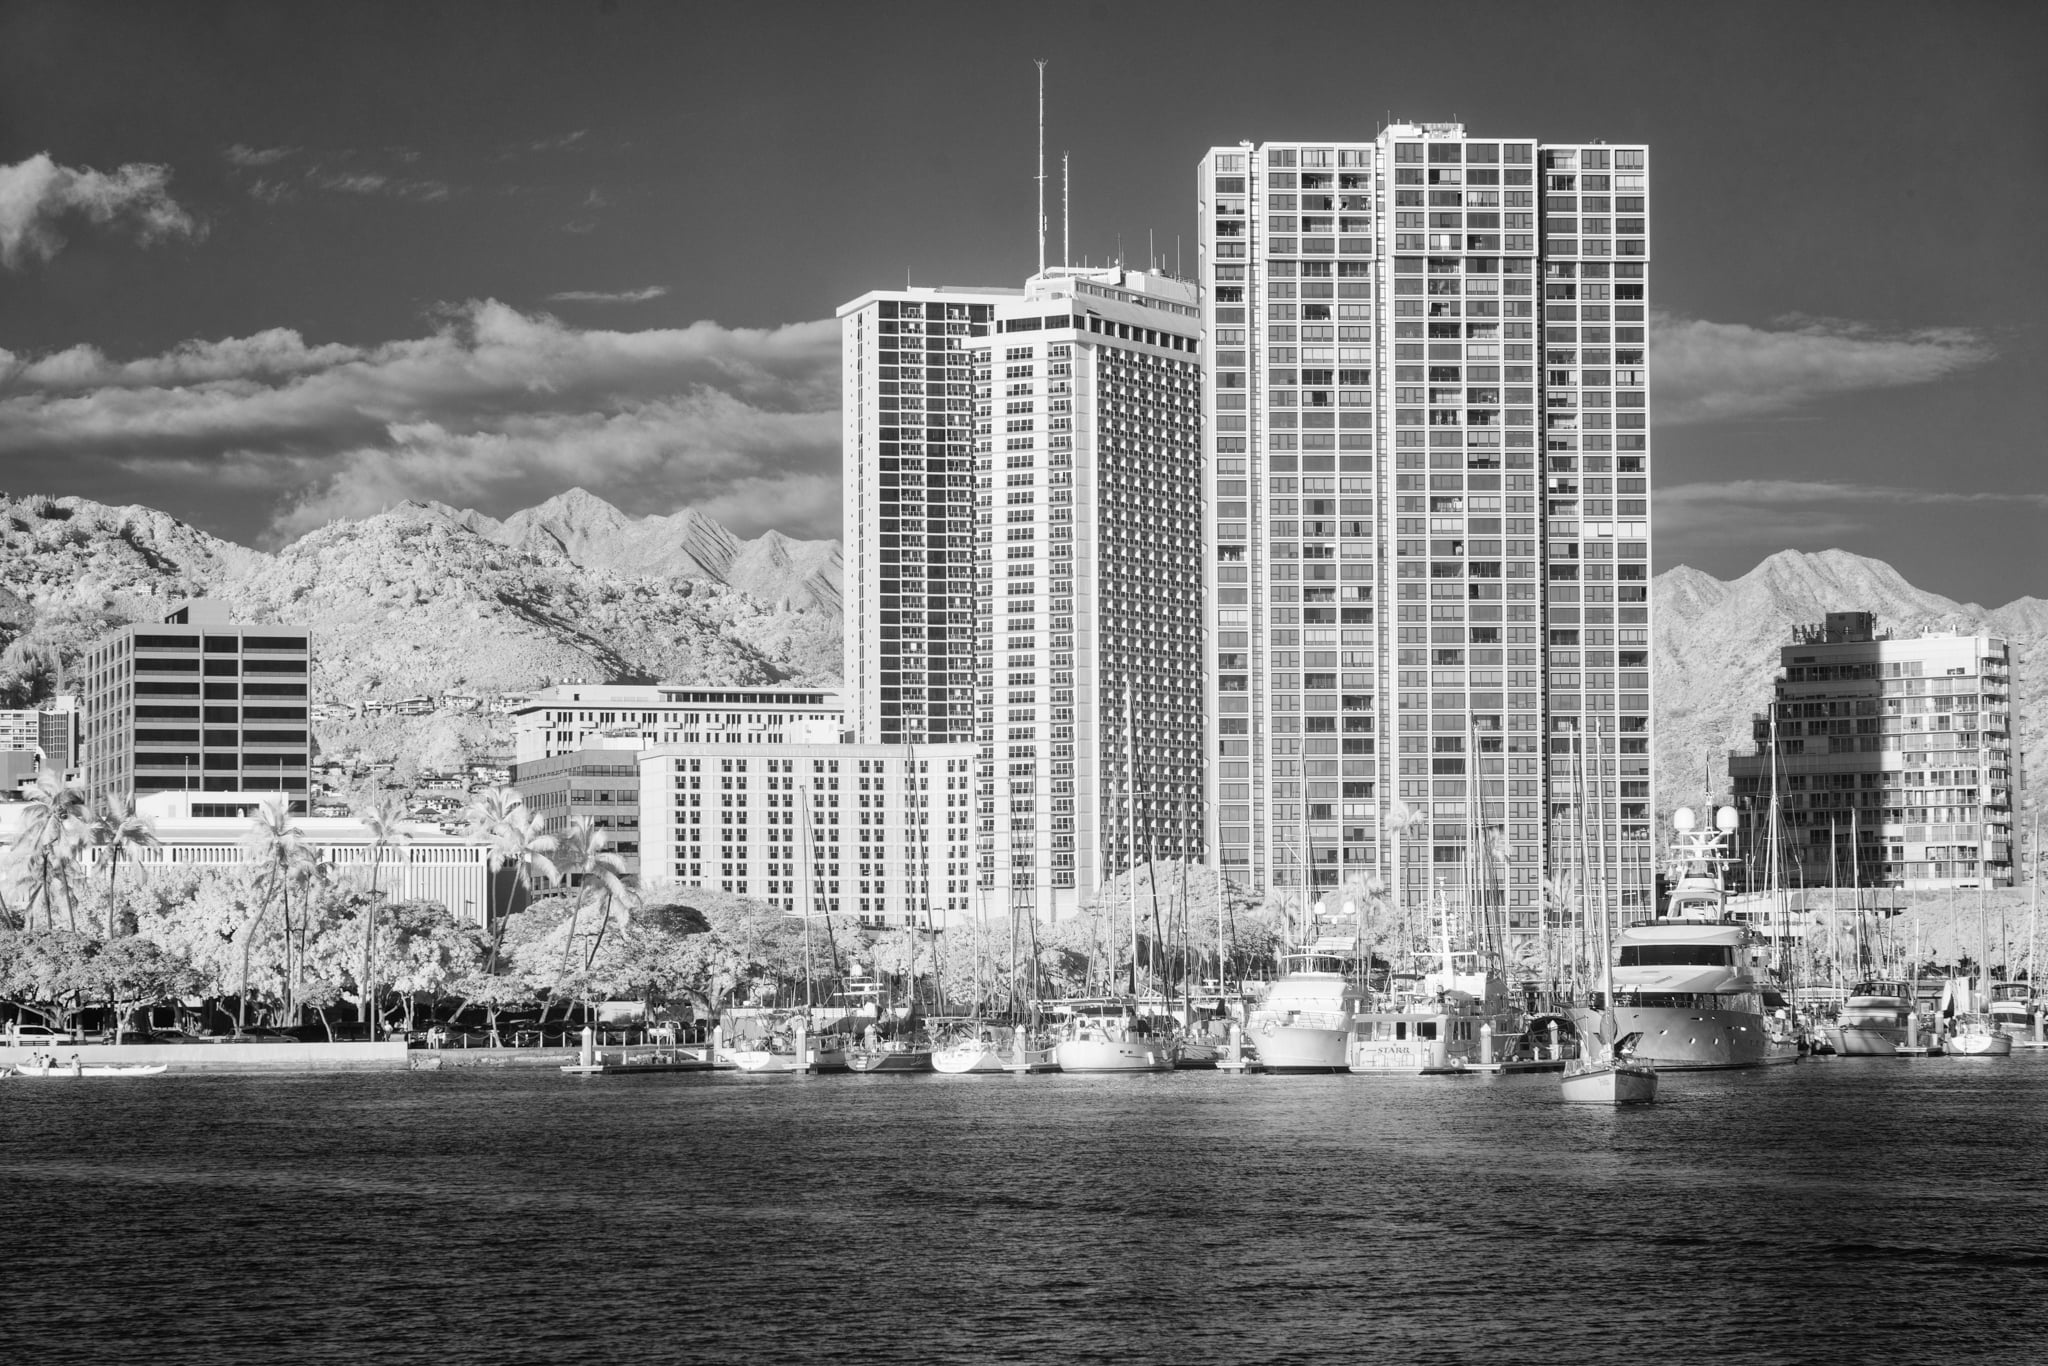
1088	561
1882	762
908	484
1429	523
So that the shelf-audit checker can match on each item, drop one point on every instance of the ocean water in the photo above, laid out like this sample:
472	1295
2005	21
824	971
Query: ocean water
1840	1211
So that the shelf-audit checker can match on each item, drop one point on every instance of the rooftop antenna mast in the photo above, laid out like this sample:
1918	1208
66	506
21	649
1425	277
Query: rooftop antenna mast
1041	165
1066	212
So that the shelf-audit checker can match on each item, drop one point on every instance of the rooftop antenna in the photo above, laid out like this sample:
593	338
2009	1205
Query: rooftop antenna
1041	165
1066	213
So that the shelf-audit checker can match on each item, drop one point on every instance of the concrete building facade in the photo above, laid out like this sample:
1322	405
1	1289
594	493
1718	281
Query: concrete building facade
197	703
1087	552
564	719
907	414
881	832
1882	762
1428	521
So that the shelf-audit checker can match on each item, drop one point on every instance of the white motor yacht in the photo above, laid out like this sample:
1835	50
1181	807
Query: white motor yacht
1304	1024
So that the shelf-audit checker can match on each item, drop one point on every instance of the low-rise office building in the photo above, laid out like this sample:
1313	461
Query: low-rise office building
563	719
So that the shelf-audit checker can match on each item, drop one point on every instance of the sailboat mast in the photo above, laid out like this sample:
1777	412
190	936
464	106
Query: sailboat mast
1131	823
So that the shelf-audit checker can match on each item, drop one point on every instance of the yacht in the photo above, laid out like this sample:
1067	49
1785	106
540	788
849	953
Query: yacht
2012	1005
1875	1019
985	1046
1304	1024
1436	1022
1692	981
1113	1036
765	1040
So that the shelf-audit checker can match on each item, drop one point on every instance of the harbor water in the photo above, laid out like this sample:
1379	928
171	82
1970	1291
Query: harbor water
1831	1211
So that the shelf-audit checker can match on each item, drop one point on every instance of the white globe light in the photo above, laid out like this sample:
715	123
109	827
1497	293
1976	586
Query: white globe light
1682	819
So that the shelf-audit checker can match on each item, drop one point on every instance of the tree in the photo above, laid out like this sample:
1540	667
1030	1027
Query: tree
131	973
519	838
41	971
275	851
587	861
493	994
381	814
116	828
53	832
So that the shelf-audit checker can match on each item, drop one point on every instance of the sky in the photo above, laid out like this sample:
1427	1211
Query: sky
263	266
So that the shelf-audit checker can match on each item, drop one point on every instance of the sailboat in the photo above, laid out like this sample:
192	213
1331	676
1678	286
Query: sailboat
1606	1071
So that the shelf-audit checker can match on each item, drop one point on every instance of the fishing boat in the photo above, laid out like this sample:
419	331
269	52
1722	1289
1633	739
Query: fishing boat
1876	1018
1444	1020
985	1046
1691	981
53	1069
1304	1024
1113	1036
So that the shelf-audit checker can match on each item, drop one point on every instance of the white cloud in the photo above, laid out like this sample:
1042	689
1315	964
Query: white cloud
377	183
36	193
1707	371
1797	512
600	296
495	409
241	154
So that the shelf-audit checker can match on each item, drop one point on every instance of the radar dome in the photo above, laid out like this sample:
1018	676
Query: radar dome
1682	819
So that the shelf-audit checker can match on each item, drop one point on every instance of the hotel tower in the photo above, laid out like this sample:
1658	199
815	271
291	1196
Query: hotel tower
1427	519
1023	515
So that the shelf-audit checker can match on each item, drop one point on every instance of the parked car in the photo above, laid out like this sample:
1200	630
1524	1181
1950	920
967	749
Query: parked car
36	1036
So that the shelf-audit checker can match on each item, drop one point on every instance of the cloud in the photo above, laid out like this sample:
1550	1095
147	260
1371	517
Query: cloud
376	183
599	296
241	154
36	193
495	409
1798	511
563	143
1707	371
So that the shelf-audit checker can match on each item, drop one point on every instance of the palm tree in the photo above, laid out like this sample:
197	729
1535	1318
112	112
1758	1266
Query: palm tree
490	808
519	838
53	832
275	851
117	829
380	813
583	856
1401	818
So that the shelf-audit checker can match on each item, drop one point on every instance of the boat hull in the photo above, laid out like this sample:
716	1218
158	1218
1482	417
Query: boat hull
1694	1039
960	1061
905	1060
1610	1084
98	1070
1978	1045
766	1060
1099	1055
1301	1048
1868	1041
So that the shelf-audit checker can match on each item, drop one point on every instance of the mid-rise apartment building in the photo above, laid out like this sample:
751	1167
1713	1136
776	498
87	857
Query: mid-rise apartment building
881	832
1428	526
1088	604
51	730
1882	762
197	703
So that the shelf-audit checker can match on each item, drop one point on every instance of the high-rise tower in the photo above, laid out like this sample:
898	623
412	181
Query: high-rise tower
1428	534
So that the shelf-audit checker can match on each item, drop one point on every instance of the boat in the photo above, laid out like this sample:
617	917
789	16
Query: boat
782	1041
1111	1035
1876	1018
52	1068
907	1050
2013	1005
1691	981
1447	1020
1613	1078
1976	1035
966	1046
1607	1070
1304	1024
